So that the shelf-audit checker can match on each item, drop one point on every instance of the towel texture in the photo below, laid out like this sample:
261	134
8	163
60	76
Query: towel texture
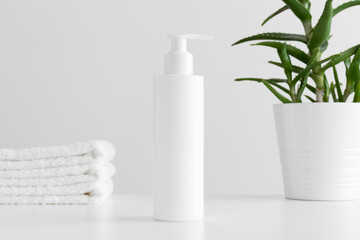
90	188
45	163
97	174
95	197
98	170
72	174
99	150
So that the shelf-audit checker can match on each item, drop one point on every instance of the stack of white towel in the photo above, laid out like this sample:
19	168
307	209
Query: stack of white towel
73	174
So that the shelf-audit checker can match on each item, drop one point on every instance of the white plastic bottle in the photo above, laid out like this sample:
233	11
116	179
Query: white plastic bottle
179	136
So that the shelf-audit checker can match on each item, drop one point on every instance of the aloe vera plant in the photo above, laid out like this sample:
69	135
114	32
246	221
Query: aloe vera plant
311	76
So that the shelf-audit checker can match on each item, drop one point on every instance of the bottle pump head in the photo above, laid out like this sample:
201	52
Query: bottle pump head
179	60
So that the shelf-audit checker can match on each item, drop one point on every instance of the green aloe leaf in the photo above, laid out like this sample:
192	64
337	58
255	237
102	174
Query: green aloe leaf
281	87
333	94
312	63
291	50
345	6
276	93
357	95
324	46
306	3
286	62
337	85
295	69
261	79
311	88
299	10
323	27
302	88
347	64
275	14
354	75
272	81
274	36
340	57
349	89
310	98
326	90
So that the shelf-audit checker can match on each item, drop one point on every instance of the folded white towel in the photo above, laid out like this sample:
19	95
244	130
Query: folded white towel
53	181
88	169
72	174
90	188
99	150
46	163
100	174
94	197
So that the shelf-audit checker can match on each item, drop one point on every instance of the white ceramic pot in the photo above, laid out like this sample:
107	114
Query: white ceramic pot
319	147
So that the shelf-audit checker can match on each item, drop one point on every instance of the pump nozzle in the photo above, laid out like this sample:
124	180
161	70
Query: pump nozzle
179	60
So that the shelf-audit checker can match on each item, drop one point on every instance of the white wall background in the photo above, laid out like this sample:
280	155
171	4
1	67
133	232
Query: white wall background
78	70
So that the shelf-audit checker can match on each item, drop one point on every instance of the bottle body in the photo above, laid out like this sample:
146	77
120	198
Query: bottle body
179	147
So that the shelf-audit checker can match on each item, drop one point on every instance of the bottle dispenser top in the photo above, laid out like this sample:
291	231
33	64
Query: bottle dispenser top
179	60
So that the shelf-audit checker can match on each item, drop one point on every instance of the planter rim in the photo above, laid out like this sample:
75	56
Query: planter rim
318	103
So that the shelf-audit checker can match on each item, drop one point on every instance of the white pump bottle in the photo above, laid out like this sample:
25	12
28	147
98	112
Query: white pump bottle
179	136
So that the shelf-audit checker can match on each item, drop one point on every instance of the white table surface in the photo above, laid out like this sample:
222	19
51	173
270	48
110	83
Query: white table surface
128	217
